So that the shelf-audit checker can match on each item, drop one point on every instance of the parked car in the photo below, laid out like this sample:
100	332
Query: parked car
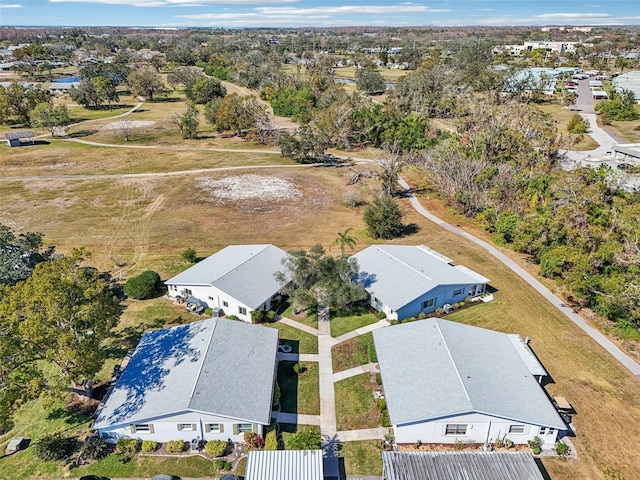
164	476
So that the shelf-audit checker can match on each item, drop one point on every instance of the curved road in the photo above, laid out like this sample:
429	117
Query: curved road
603	341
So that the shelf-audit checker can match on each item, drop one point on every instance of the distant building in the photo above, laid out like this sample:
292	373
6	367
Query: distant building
284	465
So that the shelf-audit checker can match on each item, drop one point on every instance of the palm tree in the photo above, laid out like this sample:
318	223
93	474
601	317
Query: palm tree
345	240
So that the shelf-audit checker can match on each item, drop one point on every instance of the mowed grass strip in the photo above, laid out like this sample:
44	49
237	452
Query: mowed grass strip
301	342
139	466
345	324
55	157
362	458
353	353
299	393
355	406
35	420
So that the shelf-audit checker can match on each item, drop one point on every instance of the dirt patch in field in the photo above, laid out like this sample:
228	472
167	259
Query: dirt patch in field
249	187
130	124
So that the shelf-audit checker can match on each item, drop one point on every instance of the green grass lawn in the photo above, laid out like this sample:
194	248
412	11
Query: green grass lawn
362	458
341	324
302	342
299	393
355	352
288	429
308	317
117	465
355	405
35	421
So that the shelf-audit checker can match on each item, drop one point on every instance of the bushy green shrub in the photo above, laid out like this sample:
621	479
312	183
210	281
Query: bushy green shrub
271	440
222	465
54	447
299	369
189	255
577	124
371	353
127	445
422	316
562	449
175	446
304	440
381	404
95	448
439	311
215	448
208	311
145	285
149	446
263	316
508	443
381	315
378	378
394	322
277	393
385	419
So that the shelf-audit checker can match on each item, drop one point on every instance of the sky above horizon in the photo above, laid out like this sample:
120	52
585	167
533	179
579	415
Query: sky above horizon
315	13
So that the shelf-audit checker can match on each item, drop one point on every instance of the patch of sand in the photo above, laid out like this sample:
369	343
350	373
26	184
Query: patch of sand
249	187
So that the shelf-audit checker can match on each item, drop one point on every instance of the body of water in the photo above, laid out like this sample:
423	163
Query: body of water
66	80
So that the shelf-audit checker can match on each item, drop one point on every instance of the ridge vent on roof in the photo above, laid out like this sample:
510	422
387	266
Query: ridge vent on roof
433	253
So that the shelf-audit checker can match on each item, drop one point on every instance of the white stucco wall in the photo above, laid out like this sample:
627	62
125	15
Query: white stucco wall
480	428
214	297
165	429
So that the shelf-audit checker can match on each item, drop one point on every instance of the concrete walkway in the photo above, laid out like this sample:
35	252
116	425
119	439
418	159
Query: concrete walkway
295	418
299	326
327	392
603	341
365	434
362	331
352	372
299	357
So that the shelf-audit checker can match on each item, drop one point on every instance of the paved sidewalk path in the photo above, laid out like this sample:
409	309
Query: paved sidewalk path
362	331
327	392
298	325
296	419
299	357
366	434
352	372
603	341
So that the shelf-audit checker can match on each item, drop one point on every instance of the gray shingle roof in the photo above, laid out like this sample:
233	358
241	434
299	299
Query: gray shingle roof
398	274
245	272
284	465
460	466
218	366
435	368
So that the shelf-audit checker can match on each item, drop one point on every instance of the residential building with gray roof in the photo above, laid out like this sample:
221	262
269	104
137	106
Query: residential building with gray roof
447	382
211	380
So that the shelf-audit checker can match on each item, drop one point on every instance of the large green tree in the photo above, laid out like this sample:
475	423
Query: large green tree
384	218
52	327
146	82
314	276
19	254
47	116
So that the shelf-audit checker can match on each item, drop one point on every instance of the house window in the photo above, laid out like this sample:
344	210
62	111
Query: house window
516	428
456	429
225	304
187	427
213	427
428	303
245	427
142	428
546	431
211	298
458	292
242	310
